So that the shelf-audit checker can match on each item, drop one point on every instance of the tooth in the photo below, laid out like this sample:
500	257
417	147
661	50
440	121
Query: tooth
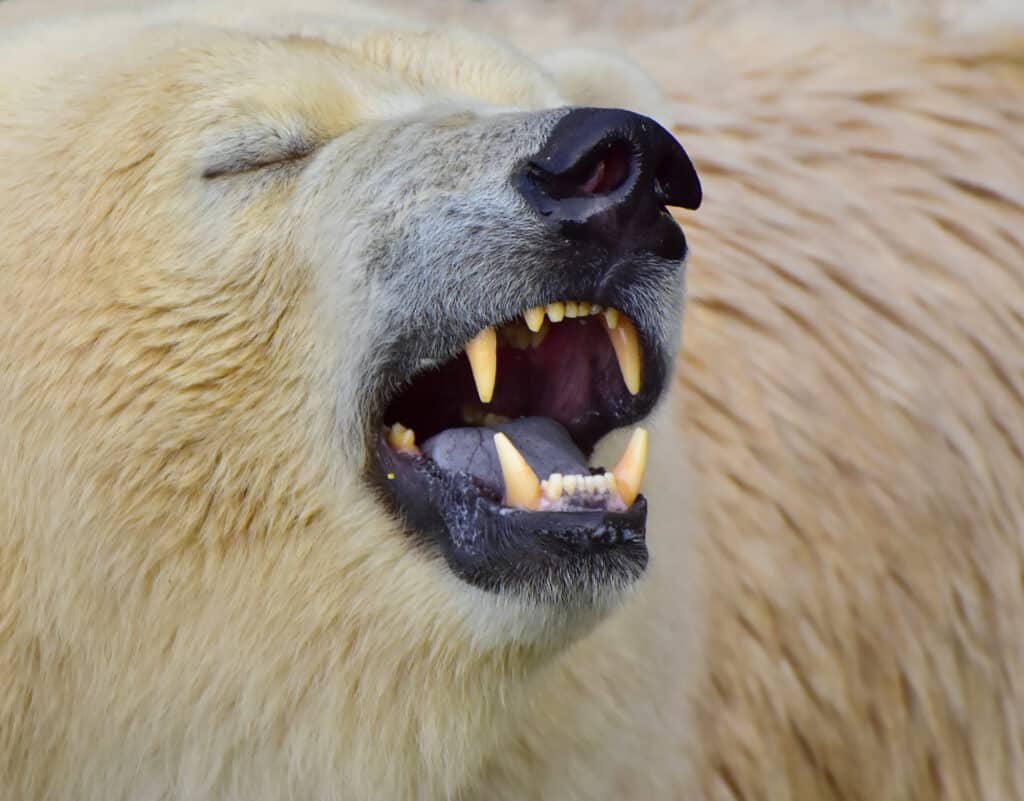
590	483
556	312
611	317
483	360
627	350
582	309
554	486
569	484
629	472
571	309
401	438
534	318
522	489
609	480
595	309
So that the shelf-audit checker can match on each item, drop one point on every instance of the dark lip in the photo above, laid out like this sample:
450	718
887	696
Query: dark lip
552	556
499	549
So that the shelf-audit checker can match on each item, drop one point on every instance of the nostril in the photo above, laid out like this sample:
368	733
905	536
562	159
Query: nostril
611	170
601	172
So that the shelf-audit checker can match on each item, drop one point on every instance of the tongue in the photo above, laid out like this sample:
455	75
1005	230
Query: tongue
546	446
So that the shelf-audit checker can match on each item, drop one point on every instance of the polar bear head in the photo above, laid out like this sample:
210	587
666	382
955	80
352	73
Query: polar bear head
308	337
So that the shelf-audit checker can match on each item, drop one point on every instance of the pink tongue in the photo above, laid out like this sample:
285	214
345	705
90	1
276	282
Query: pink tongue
546	446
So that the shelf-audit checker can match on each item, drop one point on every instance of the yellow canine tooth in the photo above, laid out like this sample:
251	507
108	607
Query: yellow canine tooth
629	472
556	312
482	352
522	489
534	318
611	317
626	343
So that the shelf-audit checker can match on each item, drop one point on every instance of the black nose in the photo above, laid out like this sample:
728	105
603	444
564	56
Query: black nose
606	175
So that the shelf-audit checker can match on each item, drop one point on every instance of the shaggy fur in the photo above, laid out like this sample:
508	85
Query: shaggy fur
222	230
851	393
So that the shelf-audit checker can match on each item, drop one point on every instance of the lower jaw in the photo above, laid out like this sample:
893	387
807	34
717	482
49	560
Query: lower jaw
548	557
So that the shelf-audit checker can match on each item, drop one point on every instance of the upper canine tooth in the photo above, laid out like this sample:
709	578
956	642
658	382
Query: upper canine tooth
626	343
556	312
629	472
482	352
611	317
534	318
522	489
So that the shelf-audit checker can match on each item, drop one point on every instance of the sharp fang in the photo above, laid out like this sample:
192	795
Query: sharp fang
522	489
556	312
482	351
554	486
534	318
626	342
629	472
611	318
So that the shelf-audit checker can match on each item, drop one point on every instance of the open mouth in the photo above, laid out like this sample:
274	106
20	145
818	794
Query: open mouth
489	452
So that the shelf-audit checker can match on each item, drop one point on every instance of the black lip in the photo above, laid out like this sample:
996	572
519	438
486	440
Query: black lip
500	549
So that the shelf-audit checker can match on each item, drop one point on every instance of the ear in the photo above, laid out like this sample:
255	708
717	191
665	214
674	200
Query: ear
591	77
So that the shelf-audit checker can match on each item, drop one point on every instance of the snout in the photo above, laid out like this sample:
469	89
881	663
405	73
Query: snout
605	176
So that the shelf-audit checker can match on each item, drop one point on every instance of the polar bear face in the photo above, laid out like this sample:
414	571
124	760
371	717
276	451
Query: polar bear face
465	281
237	267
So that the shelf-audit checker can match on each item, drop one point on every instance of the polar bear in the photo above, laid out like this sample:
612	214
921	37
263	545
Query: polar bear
333	347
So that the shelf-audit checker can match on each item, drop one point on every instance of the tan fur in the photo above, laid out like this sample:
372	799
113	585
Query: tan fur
851	395
199	599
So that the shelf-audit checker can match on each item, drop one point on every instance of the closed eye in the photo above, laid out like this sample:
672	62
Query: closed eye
257	148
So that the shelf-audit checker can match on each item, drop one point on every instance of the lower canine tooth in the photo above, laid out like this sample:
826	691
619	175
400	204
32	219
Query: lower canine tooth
482	352
626	343
629	472
522	489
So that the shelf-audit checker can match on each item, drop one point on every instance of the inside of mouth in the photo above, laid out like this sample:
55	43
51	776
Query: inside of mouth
557	391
